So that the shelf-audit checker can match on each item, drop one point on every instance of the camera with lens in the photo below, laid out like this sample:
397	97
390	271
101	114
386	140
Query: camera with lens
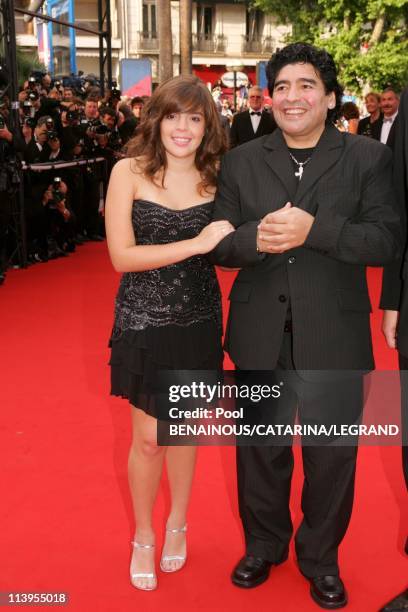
33	96
57	195
97	127
83	123
28	108
116	93
72	116
101	129
32	82
30	122
52	135
28	114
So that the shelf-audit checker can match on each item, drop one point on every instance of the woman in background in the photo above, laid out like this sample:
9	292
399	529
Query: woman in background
349	117
371	126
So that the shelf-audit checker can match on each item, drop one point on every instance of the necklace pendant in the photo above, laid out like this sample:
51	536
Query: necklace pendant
299	173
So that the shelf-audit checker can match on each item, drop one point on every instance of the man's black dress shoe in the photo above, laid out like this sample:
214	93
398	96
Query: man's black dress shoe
399	603
251	572
328	592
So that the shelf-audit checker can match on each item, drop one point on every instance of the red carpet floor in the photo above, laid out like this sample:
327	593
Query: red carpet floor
65	510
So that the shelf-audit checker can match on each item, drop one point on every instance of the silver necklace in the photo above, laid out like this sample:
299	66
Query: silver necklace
300	165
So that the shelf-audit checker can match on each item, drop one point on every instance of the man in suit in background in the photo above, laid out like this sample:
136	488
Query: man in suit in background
389	108
394	301
254	122
312	207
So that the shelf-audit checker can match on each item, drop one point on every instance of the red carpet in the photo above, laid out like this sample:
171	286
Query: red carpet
65	512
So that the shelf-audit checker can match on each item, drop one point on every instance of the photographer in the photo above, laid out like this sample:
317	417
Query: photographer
60	219
39	140
128	128
95	142
11	144
74	177
53	152
112	99
137	104
47	101
33	84
35	183
34	93
91	109
68	95
30	98
61	182
93	129
51	107
45	80
27	113
43	105
109	119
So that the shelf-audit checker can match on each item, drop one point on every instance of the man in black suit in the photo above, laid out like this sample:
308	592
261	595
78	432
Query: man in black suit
35	183
394	301
389	108
254	122
312	207
38	143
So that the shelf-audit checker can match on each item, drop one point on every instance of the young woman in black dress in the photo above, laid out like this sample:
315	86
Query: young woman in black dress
168	310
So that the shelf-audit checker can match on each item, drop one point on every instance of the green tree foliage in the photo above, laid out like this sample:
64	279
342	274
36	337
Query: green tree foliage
367	38
26	62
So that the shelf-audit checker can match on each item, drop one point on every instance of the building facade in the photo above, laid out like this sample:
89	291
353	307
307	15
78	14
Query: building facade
224	33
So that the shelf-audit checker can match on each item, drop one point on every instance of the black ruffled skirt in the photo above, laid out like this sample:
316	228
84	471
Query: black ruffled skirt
138	359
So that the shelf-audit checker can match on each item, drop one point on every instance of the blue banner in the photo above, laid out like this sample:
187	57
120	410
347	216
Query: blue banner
61	38
136	77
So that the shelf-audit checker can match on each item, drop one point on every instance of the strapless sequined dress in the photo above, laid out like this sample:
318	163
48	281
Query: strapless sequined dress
168	318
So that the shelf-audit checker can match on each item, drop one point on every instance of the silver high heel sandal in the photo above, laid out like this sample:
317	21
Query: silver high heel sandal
134	576
166	558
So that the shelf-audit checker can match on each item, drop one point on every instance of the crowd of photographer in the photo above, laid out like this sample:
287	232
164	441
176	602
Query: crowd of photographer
60	121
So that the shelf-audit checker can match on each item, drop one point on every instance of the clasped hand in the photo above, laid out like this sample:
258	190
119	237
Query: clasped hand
283	229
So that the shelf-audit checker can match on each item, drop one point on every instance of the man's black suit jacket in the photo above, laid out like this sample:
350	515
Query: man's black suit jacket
242	130
347	187
375	128
392	134
394	295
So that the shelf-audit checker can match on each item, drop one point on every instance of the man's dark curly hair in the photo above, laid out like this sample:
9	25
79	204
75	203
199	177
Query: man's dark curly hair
321	60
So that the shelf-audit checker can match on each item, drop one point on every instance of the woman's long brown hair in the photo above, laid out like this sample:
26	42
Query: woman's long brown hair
177	95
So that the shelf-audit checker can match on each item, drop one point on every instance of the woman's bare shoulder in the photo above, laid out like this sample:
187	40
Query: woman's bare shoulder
129	166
